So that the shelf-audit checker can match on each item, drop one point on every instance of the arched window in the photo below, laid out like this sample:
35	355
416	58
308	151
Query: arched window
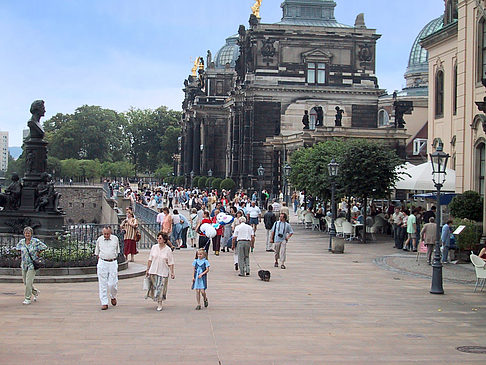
481	50
383	118
480	167
439	94
454	95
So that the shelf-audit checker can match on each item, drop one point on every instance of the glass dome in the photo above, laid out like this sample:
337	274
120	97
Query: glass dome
228	53
418	60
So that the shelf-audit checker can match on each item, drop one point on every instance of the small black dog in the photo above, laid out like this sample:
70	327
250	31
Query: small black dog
264	275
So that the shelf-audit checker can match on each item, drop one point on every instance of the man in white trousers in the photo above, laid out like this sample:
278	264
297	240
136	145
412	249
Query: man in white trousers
107	250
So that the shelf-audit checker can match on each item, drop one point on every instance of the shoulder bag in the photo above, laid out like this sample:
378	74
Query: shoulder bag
37	263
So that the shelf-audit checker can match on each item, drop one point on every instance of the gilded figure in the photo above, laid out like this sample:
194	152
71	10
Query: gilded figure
256	8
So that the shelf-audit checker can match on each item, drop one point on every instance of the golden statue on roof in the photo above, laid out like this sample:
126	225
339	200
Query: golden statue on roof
256	8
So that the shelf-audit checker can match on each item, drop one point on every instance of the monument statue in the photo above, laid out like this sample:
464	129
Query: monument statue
10	200
339	116
305	119
256	8
37	110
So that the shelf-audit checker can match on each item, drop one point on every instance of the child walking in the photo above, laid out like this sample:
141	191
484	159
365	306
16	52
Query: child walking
200	277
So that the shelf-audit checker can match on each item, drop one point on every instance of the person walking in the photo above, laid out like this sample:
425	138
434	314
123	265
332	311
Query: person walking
30	248
253	215
160	264
234	246
396	220
185	228
191	233
244	236
219	232
200	277
268	220
107	249
204	242
281	233
445	238
428	235
176	229
412	232
130	227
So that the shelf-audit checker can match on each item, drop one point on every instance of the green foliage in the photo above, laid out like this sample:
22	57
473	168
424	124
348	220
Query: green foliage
195	181
170	180
468	205
90	133
163	172
54	165
227	184
366	168
201	184
470	237
180	180
209	182
216	183
15	166
93	169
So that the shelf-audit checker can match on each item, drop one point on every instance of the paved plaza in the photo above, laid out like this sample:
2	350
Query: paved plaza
354	308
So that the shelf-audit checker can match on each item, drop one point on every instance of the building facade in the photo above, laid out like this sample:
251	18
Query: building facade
3	151
246	108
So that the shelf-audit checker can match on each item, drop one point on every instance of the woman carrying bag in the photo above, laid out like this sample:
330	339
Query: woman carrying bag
30	249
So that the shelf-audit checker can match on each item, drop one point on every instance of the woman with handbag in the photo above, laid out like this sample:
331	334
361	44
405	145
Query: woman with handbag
130	226
30	249
160	264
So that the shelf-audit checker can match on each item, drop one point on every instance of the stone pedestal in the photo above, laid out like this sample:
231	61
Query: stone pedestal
43	223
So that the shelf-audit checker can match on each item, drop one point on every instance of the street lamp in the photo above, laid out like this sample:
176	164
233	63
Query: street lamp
261	173
287	170
439	164
192	178
333	169
210	173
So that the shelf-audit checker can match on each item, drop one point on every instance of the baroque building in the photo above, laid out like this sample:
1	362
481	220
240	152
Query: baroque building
457	74
246	107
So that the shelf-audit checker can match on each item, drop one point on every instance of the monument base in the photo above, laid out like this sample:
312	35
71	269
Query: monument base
43	223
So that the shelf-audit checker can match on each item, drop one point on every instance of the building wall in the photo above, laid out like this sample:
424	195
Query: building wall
82	204
460	133
3	151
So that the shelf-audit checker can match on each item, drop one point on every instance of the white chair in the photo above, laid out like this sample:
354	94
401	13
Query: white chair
308	220
347	230
328	223
315	223
338	223
480	267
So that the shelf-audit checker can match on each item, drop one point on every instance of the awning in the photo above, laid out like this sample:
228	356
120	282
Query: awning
445	198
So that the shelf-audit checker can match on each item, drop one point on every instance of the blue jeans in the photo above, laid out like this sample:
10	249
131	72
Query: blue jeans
397	236
445	253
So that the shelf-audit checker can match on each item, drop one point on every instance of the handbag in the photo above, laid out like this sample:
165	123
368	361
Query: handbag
37	263
146	283
138	236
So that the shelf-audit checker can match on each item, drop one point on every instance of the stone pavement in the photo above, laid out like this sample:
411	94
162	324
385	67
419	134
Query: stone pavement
323	309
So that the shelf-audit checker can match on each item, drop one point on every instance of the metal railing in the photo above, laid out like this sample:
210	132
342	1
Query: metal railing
75	246
145	214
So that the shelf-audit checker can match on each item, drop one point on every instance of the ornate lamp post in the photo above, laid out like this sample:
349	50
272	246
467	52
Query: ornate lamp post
210	173
287	170
261	173
333	169
439	164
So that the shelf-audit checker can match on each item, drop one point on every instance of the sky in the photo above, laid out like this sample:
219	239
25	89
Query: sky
123	53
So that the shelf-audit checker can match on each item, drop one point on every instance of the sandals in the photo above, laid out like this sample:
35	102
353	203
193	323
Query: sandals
206	303
198	308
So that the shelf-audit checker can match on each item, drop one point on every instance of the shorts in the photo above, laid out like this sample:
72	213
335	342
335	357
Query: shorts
254	221
412	236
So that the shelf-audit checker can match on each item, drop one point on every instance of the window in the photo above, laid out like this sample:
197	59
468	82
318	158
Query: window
481	167
316	73
383	118
454	101
419	146
482	50
439	94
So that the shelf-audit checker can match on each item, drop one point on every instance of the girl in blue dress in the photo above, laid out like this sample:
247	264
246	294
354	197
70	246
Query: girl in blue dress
200	277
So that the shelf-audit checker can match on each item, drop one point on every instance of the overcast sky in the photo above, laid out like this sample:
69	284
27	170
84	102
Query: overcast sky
122	53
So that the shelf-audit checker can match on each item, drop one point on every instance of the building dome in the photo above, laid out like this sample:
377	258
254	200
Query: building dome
418	60
229	53
310	13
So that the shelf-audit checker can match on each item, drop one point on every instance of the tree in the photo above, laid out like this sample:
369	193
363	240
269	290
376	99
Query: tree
209	182
227	184
216	183
162	172
195	181
180	180
201	184
468	205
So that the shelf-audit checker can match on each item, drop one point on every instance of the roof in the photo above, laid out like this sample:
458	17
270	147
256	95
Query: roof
310	13
229	53
418	59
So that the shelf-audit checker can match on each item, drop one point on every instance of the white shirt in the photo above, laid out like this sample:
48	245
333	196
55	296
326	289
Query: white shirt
276	207
161	259
254	212
160	218
243	232
107	249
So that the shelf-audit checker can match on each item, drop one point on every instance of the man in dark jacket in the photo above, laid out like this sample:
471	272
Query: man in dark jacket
269	219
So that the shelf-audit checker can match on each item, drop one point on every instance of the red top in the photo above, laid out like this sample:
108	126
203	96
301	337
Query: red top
483	256
205	220
219	231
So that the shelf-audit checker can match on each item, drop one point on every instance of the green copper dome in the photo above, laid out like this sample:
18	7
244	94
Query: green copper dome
228	53
418	60
310	13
